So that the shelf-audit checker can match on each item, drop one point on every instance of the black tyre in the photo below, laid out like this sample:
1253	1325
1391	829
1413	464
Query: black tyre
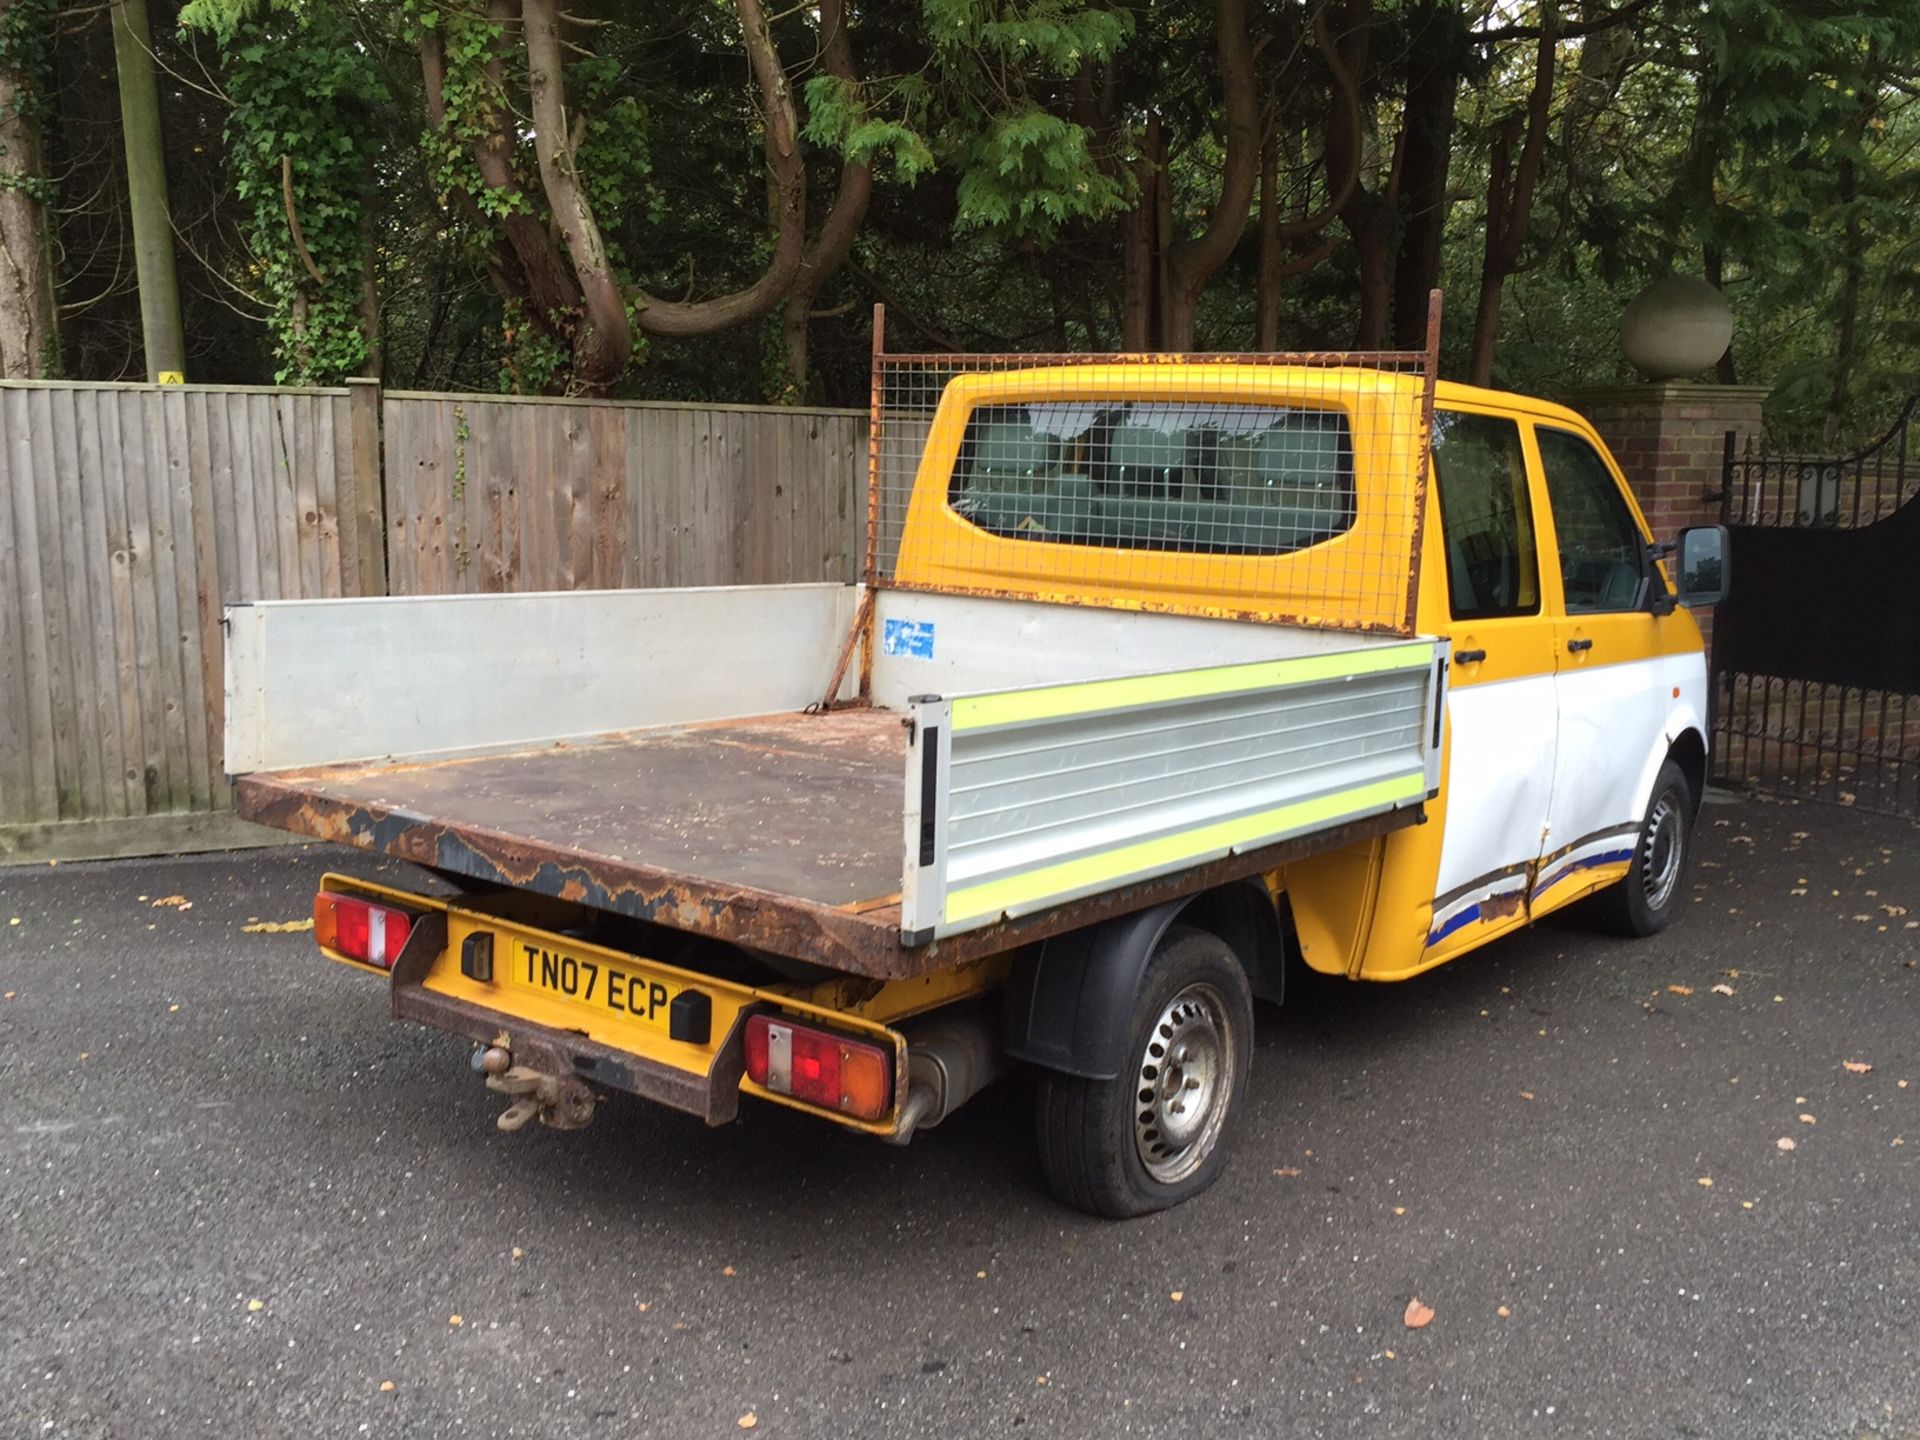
1156	1134
1645	902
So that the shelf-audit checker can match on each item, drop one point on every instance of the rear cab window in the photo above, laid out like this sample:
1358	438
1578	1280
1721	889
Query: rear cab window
1210	478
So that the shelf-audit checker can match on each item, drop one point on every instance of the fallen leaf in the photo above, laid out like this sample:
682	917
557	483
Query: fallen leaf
1388	1354
979	1274
1847	797
1679	989
1287	1172
1526	1094
1858	1067
14	921
1898	1141
256	1305
727	1270
1177	1296
1783	1143
1503	1312
1779	999
1723	989
1808	1120
455	1320
643	1306
1901	1083
386	1385
1705	1181
171	1009
518	1252
1418	1315
1399	1209
11	993
1746	1204
748	1421
278	927
171	902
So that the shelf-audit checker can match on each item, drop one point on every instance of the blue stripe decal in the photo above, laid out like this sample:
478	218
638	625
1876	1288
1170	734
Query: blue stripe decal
1459	918
1607	857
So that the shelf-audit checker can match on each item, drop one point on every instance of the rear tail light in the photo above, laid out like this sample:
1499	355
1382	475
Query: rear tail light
819	1067
361	929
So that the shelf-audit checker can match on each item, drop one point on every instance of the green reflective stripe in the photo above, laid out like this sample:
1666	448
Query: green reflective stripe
979	712
1111	867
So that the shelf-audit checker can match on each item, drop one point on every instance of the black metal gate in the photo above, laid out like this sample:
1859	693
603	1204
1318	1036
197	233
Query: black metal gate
1816	650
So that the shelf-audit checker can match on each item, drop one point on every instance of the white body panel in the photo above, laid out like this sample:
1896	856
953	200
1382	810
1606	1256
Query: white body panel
322	682
1500	767
1617	723
978	643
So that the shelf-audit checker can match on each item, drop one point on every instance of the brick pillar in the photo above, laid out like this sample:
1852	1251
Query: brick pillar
1670	439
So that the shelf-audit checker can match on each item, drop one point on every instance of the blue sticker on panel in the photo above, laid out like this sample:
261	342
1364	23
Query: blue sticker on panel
908	637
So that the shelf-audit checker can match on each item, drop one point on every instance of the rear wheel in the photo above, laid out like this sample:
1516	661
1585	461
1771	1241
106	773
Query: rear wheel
1155	1134
1645	902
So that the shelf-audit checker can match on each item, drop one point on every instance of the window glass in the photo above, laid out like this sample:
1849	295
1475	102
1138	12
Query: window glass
1603	555
1492	565
1205	478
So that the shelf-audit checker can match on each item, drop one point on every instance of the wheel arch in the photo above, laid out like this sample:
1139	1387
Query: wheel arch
1070	1000
1689	752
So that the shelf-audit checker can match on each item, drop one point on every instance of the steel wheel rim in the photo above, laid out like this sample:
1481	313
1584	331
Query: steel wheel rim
1660	850
1183	1084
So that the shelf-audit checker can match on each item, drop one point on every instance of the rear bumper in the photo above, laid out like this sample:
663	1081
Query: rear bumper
714	1096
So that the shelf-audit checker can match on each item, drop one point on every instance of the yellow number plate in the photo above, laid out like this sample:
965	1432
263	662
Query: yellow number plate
621	991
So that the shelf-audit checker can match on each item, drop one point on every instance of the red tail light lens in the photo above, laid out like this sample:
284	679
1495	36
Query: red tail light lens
819	1067
360	929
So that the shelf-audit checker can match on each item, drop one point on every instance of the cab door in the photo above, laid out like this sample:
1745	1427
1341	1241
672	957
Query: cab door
1616	681
1501	704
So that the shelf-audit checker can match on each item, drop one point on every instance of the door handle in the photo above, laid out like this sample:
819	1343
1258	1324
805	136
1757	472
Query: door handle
1468	657
1578	645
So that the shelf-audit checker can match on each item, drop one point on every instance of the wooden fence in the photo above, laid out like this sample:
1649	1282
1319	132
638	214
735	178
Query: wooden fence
129	514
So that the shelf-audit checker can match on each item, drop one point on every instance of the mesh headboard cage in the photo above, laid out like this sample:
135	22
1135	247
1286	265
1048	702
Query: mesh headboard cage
1288	488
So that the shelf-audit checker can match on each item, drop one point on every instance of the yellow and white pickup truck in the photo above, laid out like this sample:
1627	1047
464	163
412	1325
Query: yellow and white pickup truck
1170	671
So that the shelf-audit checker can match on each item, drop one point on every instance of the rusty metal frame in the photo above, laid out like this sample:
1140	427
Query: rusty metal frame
862	939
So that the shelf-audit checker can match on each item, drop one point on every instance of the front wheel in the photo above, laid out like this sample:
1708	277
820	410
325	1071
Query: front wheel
1645	902
1155	1134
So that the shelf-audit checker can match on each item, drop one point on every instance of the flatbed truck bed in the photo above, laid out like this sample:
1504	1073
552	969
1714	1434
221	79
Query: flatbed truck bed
777	832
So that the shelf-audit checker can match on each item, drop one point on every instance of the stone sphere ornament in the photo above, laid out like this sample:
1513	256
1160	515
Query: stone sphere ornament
1675	328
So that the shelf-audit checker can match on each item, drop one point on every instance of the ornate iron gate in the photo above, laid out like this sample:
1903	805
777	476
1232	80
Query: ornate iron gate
1816	651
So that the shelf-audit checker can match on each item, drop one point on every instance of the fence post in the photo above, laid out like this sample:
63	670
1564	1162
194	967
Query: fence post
363	525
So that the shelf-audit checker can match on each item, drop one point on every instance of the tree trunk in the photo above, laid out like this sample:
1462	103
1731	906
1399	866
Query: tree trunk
1266	288
1193	262
161	333
842	225
370	328
1369	217
604	343
1510	186
789	171
1139	243
29	338
1439	51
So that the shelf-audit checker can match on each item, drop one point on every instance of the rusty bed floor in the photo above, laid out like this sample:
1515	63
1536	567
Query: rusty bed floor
808	807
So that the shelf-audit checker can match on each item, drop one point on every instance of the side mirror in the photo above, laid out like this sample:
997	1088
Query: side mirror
1701	565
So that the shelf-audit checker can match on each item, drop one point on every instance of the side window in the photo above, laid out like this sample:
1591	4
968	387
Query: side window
1603	555
1487	519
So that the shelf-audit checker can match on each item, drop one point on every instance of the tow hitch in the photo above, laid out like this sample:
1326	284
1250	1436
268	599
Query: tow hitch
562	1102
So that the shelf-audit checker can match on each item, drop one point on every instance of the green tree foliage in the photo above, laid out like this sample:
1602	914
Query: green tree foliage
723	188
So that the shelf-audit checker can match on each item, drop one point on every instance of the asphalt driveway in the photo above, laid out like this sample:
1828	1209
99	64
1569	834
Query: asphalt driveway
236	1200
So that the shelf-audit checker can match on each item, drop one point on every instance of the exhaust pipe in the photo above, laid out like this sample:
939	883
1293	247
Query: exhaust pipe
950	1058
